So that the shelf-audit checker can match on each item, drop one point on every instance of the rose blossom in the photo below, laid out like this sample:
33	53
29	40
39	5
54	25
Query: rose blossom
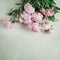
28	8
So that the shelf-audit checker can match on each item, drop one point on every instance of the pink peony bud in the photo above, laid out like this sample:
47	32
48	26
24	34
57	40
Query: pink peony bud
29	9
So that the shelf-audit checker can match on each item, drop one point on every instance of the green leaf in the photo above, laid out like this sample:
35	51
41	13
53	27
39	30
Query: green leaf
52	18
18	4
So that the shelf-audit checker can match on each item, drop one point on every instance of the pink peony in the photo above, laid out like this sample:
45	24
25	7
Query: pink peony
47	12
8	24
46	25
29	9
35	27
21	20
37	16
26	17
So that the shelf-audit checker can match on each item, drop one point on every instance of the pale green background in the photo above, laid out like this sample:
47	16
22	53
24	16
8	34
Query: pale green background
21	44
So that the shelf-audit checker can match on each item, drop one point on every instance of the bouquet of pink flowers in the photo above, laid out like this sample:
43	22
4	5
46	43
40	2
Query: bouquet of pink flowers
36	15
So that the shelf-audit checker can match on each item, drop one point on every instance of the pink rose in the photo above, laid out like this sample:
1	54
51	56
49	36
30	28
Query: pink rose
26	18
37	16
8	24
29	9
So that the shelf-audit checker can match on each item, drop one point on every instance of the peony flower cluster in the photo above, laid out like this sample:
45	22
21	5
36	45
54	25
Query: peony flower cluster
33	20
